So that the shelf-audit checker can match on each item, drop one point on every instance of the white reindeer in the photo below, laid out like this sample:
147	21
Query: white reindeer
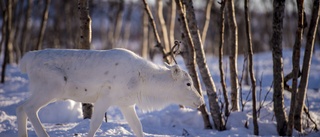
116	77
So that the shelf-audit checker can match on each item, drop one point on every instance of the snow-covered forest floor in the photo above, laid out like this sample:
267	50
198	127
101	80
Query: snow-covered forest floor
63	118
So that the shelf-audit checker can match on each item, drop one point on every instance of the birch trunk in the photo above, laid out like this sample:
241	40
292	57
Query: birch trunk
207	21
155	32
233	56
222	76
306	64
188	55
163	27
172	23
251	71
203	68
296	66
144	48
276	43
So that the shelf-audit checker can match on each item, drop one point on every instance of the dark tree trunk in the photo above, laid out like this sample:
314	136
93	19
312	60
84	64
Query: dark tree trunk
276	43
3	26
43	25
17	30
26	27
85	24
8	40
296	65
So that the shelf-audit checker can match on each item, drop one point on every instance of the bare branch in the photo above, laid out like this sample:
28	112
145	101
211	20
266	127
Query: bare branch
156	34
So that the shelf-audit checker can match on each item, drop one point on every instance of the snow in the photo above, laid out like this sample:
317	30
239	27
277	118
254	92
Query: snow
63	118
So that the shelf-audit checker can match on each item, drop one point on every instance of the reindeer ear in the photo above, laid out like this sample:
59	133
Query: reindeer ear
176	72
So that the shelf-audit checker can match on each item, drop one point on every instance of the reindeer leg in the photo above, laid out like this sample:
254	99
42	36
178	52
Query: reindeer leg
22	122
97	116
31	109
130	115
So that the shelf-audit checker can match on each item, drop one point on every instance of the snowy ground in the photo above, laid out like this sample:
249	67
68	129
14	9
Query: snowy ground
64	118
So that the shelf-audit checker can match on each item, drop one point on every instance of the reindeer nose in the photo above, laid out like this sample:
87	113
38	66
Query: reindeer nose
199	102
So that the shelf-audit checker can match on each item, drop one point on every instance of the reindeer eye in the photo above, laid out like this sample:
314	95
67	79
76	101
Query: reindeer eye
188	84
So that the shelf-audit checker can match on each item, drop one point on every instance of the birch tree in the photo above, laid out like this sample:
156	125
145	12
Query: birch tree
222	76
189	57
163	27
278	87
145	35
306	65
233	55
172	22
155	32
296	65
207	21
251	71
203	67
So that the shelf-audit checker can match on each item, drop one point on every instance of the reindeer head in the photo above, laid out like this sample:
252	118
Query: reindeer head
182	88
